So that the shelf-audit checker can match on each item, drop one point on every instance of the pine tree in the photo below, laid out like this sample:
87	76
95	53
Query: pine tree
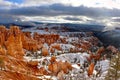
114	70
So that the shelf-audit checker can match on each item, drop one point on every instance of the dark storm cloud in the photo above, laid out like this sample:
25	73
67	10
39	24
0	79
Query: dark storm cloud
116	20
73	19
59	9
8	18
14	19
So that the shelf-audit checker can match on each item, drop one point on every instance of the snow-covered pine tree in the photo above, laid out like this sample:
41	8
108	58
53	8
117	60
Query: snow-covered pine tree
114	70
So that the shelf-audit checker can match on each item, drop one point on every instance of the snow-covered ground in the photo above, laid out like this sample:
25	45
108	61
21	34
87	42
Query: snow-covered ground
75	59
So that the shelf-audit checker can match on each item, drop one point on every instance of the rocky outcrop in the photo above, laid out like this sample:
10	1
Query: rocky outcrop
45	51
3	35
14	42
52	50
57	66
29	43
63	40
33	63
27	34
9	75
2	50
53	59
56	46
60	75
11	64
90	69
2	38
42	71
63	67
112	49
46	38
54	68
100	50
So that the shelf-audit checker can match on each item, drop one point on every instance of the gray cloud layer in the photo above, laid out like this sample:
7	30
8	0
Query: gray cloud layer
116	20
97	15
73	19
59	9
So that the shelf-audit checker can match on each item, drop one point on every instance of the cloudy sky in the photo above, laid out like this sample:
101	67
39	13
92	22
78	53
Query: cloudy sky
103	12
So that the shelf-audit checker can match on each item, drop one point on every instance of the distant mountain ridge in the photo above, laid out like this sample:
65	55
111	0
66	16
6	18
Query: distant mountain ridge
110	37
75	27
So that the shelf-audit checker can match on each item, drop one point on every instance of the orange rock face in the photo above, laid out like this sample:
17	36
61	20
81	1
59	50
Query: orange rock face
48	38
100	50
33	63
56	67
52	50
53	59
42	71
10	45
27	34
14	43
29	44
63	40
90	69
50	67
96	56
56	46
14	30
69	66
9	75
18	66
15	40
2	38
3	33
63	67
2	50
45	51
85	45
